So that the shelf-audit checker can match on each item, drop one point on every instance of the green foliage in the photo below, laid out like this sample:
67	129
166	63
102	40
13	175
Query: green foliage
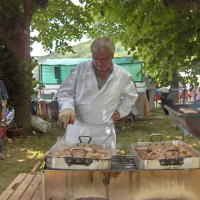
165	38
13	75
11	17
56	21
60	22
10	75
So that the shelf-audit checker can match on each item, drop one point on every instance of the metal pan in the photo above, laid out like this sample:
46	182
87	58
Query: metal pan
166	162
90	156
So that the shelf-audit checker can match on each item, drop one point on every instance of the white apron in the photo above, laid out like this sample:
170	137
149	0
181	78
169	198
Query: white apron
104	135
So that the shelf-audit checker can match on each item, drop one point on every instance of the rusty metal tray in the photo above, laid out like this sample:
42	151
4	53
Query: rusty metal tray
64	155
166	162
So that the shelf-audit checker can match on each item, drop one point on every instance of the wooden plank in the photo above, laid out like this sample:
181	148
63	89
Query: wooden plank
35	168
17	194
43	184
9	190
28	194
38	193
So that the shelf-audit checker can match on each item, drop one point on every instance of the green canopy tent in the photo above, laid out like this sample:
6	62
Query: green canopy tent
54	71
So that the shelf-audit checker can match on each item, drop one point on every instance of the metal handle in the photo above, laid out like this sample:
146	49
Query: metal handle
85	136
79	149
77	160
156	135
171	149
171	161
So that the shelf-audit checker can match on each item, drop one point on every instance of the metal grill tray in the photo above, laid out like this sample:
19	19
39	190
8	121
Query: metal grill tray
55	161
189	121
123	162
183	163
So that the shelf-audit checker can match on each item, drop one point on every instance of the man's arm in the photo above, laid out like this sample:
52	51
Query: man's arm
129	98
66	97
4	104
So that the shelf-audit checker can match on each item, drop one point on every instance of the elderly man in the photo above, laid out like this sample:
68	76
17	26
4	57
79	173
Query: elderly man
90	96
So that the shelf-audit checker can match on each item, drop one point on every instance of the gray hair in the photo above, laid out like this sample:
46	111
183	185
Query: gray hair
100	43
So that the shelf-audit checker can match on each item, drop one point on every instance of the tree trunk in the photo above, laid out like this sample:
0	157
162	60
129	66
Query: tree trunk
174	89
16	38
22	108
21	54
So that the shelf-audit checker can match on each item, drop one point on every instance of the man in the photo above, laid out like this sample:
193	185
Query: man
91	94
3	103
197	96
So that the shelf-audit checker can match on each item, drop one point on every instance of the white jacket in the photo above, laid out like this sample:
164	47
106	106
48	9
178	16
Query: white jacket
93	107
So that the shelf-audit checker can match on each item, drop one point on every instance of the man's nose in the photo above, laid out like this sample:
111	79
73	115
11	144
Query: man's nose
98	62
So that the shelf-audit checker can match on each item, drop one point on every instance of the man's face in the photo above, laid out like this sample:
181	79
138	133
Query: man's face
102	61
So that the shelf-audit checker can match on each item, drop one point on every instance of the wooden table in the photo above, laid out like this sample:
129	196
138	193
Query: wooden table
24	187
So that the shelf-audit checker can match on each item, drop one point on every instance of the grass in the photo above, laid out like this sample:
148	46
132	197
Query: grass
141	130
22	154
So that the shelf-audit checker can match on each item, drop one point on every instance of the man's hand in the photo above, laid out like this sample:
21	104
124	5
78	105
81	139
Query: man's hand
116	115
67	116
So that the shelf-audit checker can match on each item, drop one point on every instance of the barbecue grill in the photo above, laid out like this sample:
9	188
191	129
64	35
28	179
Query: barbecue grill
190	122
122	181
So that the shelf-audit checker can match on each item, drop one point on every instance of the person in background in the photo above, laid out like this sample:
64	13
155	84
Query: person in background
152	90
89	96
183	95
3	104
197	96
147	86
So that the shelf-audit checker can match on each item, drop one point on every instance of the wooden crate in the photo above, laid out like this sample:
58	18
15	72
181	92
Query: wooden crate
121	185
15	132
